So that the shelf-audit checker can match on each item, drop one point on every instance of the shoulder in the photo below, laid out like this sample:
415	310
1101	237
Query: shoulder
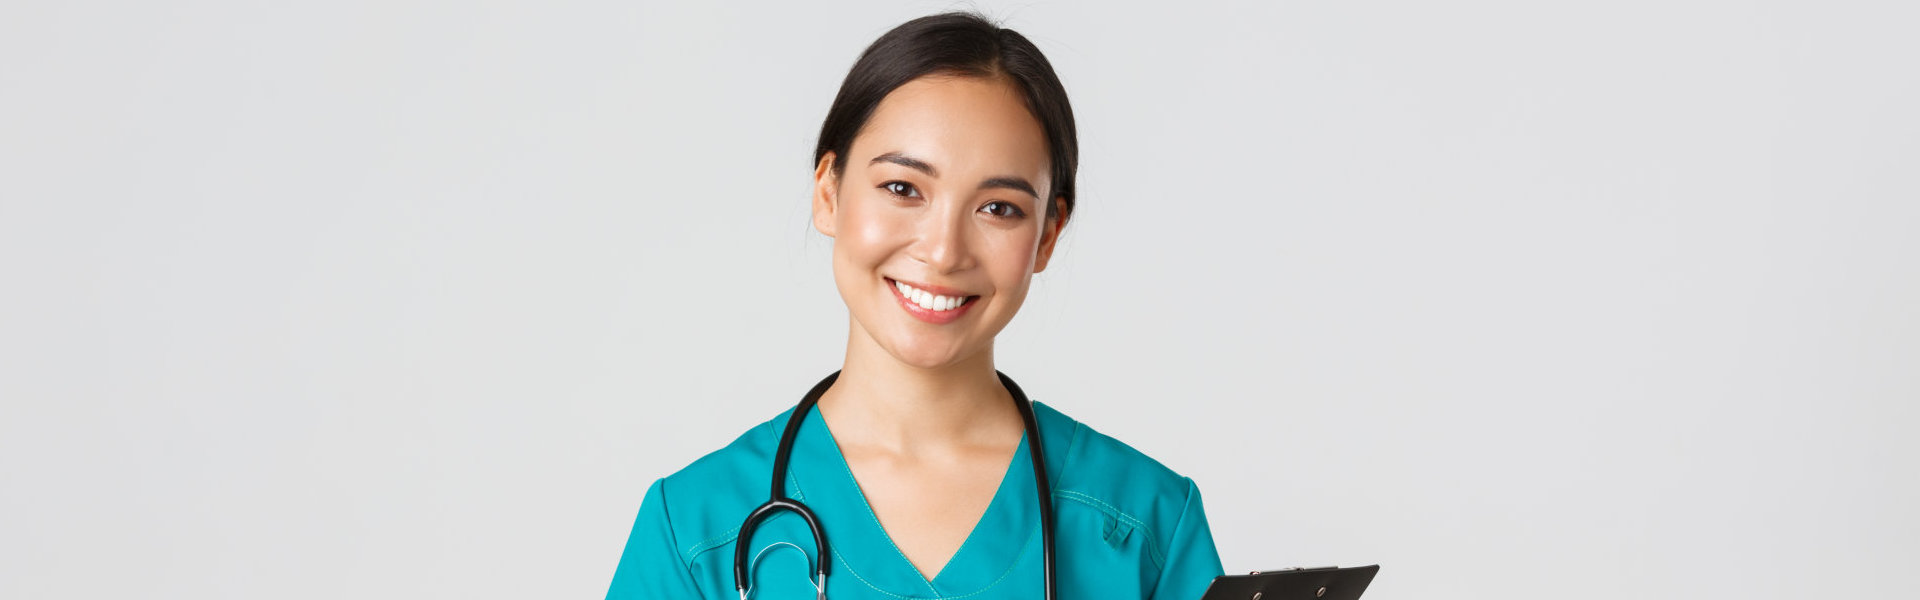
721	471
1099	464
706	499
1118	485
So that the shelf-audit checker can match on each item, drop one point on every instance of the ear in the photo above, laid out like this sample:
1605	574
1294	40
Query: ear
826	195
1050	233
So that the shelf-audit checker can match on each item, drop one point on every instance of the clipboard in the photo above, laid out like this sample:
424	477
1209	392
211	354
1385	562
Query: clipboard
1315	583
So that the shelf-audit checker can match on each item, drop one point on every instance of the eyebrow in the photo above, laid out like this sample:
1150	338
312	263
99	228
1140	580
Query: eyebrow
905	161
1006	183
1010	183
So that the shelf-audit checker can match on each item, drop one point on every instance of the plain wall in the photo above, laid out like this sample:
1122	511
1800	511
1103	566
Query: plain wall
1516	299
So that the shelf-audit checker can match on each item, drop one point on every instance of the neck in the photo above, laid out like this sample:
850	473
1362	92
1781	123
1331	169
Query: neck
882	403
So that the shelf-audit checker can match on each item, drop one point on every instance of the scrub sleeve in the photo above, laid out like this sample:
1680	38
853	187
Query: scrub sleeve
650	566
1192	559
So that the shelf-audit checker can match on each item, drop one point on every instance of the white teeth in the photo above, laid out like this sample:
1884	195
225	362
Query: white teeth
929	301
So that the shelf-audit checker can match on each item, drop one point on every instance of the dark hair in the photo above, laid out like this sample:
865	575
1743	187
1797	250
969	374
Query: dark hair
957	43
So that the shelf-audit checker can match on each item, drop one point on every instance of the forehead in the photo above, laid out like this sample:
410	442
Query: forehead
958	124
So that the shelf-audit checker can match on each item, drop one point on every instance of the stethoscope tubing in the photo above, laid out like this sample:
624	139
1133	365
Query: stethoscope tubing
778	501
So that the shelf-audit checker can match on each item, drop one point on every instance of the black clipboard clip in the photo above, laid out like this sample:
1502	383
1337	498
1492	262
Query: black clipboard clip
1294	583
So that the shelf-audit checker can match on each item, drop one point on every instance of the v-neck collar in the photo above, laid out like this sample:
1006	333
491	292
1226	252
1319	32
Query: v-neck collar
1003	537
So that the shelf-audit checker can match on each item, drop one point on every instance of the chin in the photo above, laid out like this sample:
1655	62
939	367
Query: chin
926	355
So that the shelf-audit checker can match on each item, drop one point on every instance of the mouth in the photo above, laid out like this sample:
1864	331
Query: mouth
929	303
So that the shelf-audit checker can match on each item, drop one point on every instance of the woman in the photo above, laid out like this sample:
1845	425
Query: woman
944	174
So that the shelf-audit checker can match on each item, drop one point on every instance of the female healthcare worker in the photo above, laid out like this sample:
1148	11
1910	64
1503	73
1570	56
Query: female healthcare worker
944	174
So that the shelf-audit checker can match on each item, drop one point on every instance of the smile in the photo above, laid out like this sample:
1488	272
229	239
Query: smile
929	306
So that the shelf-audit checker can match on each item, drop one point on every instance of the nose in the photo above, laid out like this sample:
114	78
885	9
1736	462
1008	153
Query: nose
941	242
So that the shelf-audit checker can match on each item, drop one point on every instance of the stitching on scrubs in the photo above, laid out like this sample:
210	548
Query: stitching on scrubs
836	550
856	575
848	470
903	556
1012	465
1066	464
685	565
717	541
723	539
1153	546
1024	550
1028	546
696	550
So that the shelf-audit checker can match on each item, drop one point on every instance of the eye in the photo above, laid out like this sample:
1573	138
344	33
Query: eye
901	189
1006	210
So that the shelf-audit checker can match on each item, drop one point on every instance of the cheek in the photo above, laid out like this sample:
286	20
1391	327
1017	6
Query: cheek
1010	259
869	233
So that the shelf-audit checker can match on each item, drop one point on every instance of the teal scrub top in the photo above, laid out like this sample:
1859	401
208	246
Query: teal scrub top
1127	527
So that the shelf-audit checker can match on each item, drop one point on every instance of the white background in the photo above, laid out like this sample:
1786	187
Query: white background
1517	299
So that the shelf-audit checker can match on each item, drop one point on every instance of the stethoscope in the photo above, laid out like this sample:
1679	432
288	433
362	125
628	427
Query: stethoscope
779	500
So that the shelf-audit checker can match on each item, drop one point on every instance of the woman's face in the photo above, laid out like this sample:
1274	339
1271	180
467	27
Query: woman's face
940	193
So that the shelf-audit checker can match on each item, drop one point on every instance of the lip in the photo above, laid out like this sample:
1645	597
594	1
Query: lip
931	316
